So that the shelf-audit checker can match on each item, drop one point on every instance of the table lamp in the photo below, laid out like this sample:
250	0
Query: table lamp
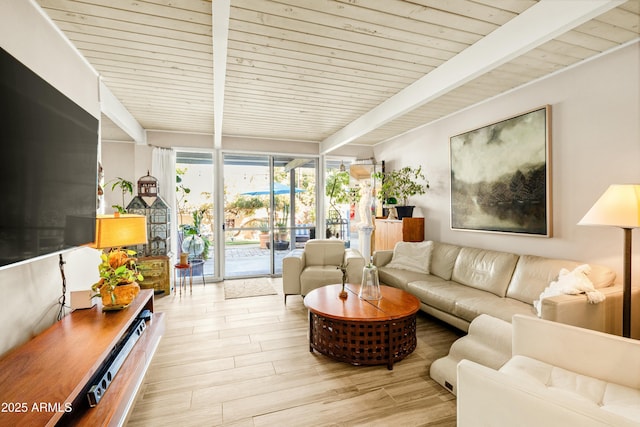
619	206
117	231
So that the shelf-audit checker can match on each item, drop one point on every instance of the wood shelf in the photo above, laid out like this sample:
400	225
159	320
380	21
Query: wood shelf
52	370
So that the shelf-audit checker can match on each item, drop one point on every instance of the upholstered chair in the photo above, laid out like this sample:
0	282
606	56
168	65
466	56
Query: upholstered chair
304	270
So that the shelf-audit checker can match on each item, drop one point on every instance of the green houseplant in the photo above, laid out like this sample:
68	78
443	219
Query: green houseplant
125	187
339	192
118	275
399	185
194	242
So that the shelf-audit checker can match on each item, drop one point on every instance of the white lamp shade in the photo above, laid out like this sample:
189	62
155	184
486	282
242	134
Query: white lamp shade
619	206
124	230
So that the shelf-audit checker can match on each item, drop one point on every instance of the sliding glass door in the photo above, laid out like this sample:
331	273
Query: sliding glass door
269	209
195	217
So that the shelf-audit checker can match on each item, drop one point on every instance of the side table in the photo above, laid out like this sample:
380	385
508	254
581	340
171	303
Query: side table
195	263
180	273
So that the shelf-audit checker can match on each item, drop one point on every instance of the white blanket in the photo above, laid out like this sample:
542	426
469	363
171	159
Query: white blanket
571	283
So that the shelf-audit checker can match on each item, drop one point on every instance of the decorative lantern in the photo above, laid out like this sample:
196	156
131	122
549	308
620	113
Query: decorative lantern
159	214
149	203
148	186
370	288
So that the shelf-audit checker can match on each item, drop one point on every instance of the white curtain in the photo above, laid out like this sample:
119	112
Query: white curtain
163	168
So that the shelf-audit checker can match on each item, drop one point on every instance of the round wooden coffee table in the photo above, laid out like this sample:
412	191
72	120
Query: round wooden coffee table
362	332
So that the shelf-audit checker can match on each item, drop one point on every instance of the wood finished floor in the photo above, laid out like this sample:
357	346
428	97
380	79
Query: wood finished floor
246	362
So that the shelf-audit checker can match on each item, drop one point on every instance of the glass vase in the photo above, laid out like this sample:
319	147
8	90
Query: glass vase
370	287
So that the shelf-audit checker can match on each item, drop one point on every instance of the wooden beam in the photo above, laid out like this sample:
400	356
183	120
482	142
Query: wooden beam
535	26
111	107
221	10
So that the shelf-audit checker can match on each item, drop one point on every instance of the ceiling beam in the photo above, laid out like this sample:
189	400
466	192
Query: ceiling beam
111	107
538	24
220	11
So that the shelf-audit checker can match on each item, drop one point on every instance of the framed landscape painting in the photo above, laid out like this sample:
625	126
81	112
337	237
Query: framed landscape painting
500	176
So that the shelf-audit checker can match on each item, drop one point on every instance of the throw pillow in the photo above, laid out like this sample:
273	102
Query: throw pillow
412	256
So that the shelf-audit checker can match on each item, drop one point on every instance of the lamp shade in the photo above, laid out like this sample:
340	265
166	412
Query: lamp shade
124	230
619	206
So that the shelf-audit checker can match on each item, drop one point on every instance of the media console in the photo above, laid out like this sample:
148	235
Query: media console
49	379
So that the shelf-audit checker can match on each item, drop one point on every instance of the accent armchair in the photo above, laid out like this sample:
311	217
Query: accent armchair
304	270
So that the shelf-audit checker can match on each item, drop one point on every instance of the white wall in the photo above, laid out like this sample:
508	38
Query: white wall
30	36
29	292
595	143
205	142
118	161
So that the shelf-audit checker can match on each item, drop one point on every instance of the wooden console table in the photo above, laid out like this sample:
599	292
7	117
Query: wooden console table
44	381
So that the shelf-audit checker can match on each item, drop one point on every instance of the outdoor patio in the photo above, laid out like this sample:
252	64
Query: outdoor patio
251	260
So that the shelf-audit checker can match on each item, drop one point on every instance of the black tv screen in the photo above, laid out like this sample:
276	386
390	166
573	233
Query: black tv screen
48	167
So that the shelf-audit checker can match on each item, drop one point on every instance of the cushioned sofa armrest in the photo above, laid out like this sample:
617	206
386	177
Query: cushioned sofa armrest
292	265
355	263
381	258
605	316
490	398
604	356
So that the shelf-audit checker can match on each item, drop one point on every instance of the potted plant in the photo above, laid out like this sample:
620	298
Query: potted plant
118	275
194	242
400	185
264	234
281	242
125	187
339	192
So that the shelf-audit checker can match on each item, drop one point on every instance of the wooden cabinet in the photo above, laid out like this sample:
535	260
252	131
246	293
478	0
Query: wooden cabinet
389	231
156	273
44	381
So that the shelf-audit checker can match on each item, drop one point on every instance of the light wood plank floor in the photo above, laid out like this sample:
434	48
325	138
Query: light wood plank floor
246	362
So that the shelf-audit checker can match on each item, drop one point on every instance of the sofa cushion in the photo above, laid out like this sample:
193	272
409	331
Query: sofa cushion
398	278
486	270
441	294
610	397
533	274
314	276
324	252
412	256
501	308
443	258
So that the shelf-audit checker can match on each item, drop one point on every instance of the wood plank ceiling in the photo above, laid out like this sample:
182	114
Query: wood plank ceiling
303	70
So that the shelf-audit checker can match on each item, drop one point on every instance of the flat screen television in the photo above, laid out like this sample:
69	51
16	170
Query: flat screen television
48	167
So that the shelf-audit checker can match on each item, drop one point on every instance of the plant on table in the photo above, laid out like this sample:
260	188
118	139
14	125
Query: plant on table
117	267
401	184
192	233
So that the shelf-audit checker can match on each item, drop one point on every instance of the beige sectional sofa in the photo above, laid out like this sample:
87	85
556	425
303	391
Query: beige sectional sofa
463	283
548	381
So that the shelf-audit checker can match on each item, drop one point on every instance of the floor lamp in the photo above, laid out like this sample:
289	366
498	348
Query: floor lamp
619	206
